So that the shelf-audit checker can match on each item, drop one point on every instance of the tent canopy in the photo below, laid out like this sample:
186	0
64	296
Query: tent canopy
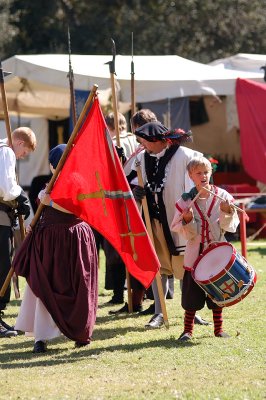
251	63
39	83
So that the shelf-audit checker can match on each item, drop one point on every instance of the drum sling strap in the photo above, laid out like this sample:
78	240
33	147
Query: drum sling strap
206	222
155	172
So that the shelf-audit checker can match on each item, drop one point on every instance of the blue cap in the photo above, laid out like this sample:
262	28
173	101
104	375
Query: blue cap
55	154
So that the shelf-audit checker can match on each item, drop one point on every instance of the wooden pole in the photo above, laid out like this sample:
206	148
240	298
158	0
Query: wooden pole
55	175
9	136
133	105
115	108
149	229
243	231
117	135
71	81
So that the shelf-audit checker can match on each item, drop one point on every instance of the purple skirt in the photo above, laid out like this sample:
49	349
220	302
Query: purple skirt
59	261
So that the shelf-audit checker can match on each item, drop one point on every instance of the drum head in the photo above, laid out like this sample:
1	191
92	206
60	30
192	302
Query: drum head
213	261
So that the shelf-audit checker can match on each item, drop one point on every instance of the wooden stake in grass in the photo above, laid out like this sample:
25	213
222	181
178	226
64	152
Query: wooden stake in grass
9	137
117	133
149	229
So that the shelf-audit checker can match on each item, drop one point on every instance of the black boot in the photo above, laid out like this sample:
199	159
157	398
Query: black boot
149	310
124	309
39	347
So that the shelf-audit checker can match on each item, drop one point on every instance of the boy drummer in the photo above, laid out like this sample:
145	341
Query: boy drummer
201	222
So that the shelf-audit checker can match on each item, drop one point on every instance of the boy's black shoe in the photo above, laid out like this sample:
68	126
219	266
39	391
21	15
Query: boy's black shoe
184	337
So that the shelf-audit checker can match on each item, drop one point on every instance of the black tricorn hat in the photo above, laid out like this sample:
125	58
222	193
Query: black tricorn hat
155	131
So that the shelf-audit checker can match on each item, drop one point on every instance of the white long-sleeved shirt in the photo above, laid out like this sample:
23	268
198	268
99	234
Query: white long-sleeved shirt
9	189
177	181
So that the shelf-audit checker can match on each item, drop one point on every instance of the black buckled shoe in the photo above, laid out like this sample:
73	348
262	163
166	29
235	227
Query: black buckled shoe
124	309
155	322
39	347
149	310
6	332
185	337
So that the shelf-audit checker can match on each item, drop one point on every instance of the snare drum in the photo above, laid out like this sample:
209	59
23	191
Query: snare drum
224	274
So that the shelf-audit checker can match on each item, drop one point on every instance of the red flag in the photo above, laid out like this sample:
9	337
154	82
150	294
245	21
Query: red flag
251	100
92	186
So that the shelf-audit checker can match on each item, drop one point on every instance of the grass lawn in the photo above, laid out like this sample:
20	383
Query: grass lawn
125	361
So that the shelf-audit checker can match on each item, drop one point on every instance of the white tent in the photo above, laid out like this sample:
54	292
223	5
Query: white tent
39	83
39	86
243	63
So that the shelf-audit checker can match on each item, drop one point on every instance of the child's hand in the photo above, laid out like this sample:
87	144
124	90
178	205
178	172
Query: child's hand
187	215
44	198
226	207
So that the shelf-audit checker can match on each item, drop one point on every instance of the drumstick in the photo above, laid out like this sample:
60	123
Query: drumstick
214	194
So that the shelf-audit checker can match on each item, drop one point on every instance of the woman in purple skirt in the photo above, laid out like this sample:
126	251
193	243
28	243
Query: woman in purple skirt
59	260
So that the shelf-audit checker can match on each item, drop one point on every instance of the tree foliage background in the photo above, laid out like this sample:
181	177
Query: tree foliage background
201	30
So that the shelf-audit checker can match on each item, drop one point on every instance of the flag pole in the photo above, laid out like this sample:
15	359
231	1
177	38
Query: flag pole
71	81
149	229
115	108
9	136
56	173
133	105
114	96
